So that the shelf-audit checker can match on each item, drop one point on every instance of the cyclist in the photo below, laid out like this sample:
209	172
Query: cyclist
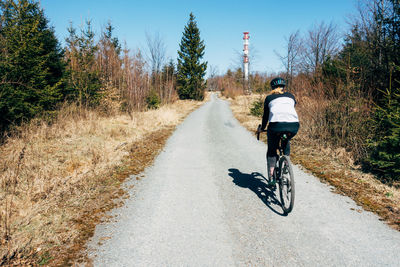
280	112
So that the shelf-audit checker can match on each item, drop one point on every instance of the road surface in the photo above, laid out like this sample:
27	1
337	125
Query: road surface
204	202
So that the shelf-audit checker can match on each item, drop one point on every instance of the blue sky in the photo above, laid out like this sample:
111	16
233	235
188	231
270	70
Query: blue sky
221	23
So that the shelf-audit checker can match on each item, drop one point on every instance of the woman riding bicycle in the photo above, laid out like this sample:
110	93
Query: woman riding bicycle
280	112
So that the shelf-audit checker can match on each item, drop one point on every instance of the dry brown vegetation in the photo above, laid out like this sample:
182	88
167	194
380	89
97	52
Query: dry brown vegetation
56	181
334	166
232	83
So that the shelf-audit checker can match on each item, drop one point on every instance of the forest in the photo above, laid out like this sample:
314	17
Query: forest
37	75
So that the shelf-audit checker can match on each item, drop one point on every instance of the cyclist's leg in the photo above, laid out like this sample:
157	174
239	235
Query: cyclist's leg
286	146
286	143
273	142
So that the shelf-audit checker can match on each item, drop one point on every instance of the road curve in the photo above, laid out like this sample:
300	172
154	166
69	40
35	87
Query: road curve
204	203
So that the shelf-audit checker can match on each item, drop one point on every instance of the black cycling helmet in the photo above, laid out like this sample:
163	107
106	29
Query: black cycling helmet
278	82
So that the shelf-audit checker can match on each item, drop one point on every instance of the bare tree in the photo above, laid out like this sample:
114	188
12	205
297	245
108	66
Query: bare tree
157	59
157	51
212	82
372	14
322	41
135	80
291	59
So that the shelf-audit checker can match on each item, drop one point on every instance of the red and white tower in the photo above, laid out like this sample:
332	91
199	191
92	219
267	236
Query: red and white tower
246	38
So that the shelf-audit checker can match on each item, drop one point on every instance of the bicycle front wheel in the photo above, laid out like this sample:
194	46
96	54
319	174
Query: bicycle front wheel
286	184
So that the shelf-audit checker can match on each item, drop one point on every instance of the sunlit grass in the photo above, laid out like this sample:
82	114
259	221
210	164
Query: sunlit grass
52	176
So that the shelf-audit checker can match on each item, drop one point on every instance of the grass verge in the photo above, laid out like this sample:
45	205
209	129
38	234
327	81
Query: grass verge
57	182
332	166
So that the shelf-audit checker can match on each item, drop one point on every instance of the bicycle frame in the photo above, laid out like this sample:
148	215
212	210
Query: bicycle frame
286	185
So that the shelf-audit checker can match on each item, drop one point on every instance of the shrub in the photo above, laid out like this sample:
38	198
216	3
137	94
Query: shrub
348	124
384	158
153	100
257	108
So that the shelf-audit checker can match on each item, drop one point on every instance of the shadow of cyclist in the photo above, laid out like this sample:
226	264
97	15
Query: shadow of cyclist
257	183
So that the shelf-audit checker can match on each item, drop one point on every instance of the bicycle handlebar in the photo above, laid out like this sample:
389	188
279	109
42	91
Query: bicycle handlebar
259	131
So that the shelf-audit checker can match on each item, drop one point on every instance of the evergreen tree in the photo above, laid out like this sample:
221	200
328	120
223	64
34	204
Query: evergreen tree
84	82
190	80
31	62
168	72
109	63
385	146
110	39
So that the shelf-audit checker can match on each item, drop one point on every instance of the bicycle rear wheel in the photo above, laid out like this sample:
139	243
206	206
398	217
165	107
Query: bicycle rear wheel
286	184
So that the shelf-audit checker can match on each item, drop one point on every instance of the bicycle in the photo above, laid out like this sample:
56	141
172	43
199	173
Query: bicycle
283	174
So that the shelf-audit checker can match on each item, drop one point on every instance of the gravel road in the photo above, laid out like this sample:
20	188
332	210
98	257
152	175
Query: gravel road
204	203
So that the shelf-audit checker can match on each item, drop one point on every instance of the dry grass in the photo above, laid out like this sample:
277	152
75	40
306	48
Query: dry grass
56	181
241	109
333	166
232	92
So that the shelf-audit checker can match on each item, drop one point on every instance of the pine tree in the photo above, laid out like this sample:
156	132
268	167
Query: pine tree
190	80
109	64
385	146
84	82
31	65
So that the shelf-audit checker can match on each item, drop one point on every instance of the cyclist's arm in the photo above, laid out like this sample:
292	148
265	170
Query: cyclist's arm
265	116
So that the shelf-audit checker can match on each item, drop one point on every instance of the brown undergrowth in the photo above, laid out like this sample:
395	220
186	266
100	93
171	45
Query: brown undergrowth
333	166
56	182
